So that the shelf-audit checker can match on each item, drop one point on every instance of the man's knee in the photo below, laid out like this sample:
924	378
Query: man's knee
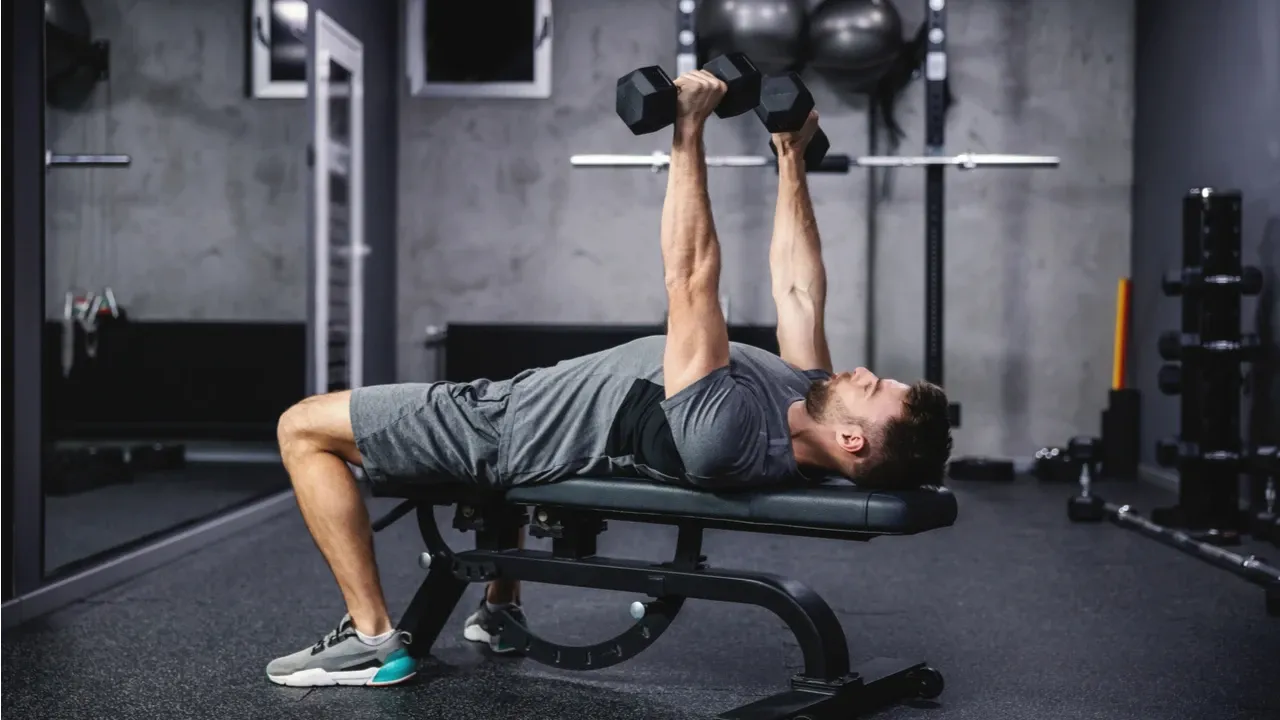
319	423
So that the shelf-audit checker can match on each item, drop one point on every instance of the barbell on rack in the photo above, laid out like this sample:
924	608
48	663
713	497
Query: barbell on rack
659	161
52	159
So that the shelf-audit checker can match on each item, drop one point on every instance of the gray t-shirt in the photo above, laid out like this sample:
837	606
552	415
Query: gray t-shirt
605	415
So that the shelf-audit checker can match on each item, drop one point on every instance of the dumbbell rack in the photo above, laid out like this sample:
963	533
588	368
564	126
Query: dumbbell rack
1203	367
1203	362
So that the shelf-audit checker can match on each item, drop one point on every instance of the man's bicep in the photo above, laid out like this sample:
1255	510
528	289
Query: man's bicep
802	337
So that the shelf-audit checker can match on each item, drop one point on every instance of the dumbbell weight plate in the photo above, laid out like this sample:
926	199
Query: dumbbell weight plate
646	100
1250	280
1170	345
1168	451
785	103
1169	379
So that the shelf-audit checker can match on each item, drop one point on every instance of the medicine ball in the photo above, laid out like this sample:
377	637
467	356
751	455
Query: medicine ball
854	42
73	61
771	32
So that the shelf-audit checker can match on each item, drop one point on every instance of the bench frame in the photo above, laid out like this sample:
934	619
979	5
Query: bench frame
826	688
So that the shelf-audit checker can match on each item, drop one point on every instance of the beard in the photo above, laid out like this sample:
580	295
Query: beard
821	402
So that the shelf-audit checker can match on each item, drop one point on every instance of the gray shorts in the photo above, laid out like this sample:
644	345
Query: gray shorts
431	432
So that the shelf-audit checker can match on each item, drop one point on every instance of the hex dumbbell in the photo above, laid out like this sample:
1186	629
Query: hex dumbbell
785	103
646	98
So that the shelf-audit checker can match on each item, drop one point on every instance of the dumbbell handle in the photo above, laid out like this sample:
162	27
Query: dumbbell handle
819	145
819	139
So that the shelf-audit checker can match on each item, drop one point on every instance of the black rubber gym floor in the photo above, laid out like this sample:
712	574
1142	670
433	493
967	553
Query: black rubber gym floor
1026	615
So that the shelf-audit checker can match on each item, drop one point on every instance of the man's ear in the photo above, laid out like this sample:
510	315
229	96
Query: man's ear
851	439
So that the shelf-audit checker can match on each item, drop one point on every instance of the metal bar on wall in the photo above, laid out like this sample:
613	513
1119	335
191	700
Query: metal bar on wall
935	121
52	159
872	209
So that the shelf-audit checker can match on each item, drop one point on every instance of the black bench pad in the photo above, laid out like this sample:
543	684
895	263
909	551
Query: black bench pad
831	506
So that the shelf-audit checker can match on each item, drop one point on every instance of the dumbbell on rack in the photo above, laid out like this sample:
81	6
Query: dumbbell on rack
785	104
646	98
1174	345
1193	280
1264	524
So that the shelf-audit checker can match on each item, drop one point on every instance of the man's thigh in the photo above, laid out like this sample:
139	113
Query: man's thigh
430	431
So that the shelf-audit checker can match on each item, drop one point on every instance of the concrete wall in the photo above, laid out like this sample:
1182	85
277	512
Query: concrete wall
1207	103
494	226
210	220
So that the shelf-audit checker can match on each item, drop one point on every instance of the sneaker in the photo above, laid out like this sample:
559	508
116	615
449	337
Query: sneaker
480	628
342	658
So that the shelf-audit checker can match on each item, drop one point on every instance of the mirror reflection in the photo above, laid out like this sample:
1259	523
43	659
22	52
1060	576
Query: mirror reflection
175	273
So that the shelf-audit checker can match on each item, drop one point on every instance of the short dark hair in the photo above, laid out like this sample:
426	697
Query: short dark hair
912	449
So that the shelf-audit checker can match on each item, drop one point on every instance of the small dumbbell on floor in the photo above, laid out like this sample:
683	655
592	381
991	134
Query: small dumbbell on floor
646	98
1086	454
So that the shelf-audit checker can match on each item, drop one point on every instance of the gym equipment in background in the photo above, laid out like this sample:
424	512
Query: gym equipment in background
853	43
52	159
1120	429
74	64
1089	507
1262	520
840	164
74	61
646	98
934	160
1203	367
908	66
774	33
1118	447
83	317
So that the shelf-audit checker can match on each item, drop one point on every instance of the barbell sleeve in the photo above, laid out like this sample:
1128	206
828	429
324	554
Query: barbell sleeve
964	161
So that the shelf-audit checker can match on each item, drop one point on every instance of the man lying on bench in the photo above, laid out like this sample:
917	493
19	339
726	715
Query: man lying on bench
688	408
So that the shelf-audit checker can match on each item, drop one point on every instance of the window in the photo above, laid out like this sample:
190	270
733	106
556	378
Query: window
479	48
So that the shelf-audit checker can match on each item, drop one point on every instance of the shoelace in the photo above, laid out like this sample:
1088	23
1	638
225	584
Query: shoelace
344	630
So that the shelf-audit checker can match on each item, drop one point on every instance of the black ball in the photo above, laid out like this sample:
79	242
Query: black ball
71	59
771	32
854	42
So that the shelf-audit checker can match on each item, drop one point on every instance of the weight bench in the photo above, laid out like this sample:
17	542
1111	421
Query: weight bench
573	513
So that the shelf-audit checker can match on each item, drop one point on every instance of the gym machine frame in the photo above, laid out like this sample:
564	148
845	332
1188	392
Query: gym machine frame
827	688
934	161
1208	453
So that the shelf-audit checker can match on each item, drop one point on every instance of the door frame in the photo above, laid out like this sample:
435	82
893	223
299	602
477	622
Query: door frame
330	41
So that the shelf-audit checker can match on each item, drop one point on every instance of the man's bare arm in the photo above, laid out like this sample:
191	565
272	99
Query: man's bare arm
799	278
697	338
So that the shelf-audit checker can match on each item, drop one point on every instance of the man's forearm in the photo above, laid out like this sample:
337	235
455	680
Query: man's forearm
795	253
690	249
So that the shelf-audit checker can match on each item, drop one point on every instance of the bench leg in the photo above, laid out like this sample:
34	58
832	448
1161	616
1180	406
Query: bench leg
870	686
431	607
